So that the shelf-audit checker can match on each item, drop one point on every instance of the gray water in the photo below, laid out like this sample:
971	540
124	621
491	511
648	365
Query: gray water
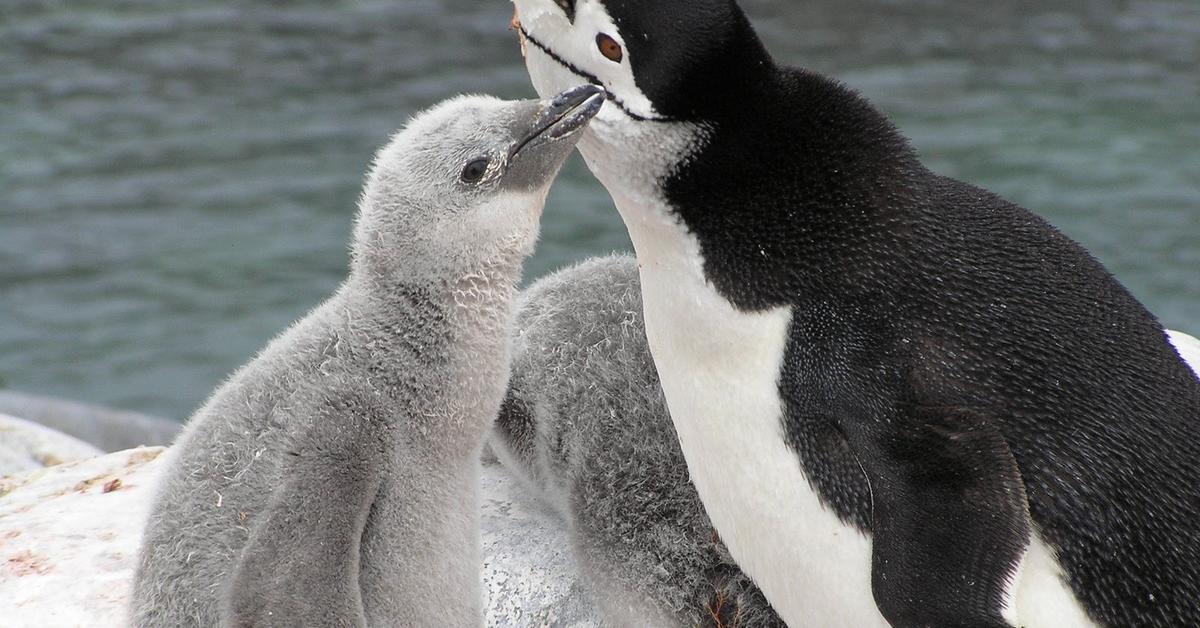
178	179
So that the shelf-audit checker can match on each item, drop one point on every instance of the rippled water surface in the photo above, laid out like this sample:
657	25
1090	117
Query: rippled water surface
178	179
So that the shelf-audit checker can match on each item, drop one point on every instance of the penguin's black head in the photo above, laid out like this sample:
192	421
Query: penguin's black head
660	60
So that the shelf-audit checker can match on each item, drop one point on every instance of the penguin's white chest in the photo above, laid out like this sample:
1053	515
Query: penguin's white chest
720	370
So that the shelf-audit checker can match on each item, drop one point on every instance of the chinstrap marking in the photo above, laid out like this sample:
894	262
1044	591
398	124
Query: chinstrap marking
591	78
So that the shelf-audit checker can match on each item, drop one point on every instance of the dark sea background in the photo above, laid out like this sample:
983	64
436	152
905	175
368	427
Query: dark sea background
178	179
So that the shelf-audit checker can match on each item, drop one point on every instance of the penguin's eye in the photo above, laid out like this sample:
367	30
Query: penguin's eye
609	48
475	169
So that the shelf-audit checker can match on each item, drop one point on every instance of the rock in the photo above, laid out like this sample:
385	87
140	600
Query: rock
69	537
108	429
530	577
25	445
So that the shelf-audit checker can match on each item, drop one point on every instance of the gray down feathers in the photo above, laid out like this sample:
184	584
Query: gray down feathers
586	425
333	480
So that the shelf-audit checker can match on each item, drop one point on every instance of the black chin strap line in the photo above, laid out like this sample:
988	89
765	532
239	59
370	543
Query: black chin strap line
591	78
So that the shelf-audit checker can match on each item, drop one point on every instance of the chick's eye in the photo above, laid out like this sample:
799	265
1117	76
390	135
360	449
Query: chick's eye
475	169
609	48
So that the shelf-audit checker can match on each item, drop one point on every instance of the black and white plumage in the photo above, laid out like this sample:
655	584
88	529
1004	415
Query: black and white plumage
334	479
902	398
585	424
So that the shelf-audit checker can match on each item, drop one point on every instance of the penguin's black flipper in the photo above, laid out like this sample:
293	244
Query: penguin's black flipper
950	520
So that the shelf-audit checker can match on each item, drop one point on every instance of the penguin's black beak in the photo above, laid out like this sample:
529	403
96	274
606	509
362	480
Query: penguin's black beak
545	132
561	116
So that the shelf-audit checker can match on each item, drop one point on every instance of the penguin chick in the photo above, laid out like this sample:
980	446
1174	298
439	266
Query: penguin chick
585	424
333	480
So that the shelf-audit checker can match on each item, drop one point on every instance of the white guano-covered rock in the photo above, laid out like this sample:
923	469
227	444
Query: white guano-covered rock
69	537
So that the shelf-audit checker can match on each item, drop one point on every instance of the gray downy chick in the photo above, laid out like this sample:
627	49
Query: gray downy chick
585	424
333	480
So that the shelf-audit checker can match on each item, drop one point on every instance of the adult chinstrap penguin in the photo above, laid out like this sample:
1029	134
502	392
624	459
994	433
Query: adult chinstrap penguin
333	480
902	399
585	424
